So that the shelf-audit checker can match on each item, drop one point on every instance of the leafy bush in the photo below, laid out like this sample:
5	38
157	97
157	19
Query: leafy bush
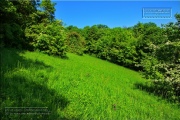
12	35
75	43
164	71
49	38
169	86
169	52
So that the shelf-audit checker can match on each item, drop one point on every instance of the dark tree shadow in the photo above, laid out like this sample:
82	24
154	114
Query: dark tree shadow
144	87
154	90
21	91
10	59
31	94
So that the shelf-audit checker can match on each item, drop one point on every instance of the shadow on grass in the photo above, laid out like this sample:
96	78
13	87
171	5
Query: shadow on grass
145	87
20	90
150	88
11	59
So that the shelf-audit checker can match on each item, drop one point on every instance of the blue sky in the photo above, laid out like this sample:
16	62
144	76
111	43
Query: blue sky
111	13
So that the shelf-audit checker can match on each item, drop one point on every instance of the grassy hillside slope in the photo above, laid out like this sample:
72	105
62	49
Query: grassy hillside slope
80	87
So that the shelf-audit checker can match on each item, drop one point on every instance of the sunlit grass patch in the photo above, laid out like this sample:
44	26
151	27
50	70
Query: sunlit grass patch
81	87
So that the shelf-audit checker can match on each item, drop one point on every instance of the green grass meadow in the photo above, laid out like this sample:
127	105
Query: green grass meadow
79	87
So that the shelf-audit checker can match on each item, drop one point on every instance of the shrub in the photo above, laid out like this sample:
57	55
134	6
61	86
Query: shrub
75	43
49	39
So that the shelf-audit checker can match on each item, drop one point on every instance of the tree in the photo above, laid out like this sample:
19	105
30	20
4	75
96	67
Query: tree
15	16
48	10
75	43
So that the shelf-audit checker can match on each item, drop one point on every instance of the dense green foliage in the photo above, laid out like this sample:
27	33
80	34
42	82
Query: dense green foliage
81	88
31	25
74	41
49	38
15	16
